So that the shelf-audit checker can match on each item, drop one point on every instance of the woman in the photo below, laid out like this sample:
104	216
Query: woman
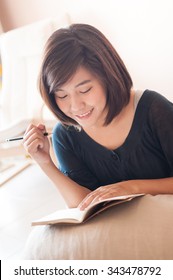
111	140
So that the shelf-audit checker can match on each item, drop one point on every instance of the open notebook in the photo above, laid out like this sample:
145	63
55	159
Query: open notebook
76	216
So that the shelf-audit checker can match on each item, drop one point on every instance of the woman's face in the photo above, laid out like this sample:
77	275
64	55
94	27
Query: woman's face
83	98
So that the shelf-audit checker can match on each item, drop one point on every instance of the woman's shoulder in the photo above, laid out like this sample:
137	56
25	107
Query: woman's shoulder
153	106
58	129
156	108
63	132
64	129
151	98
154	95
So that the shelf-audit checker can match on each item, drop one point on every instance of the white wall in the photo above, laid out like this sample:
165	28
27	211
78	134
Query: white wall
141	31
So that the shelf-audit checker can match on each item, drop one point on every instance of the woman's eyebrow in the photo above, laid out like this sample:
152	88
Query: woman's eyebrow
83	83
78	85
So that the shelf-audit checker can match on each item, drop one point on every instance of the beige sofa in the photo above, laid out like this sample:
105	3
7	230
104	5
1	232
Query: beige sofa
136	230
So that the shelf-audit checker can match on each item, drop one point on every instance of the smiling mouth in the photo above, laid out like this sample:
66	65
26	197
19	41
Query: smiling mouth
85	115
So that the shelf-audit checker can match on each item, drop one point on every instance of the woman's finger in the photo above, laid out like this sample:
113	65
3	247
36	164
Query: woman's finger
30	126
93	196
102	193
41	127
34	145
33	132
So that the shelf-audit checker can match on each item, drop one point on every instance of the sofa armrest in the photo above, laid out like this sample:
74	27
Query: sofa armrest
136	230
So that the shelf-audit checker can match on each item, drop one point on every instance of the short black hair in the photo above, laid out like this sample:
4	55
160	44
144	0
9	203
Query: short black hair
83	45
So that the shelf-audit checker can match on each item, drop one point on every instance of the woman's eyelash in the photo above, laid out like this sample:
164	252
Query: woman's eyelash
61	97
86	90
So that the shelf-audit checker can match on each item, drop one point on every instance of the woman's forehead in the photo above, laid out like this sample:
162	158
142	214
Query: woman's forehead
80	77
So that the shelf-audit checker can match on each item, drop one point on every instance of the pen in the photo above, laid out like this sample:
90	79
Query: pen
21	137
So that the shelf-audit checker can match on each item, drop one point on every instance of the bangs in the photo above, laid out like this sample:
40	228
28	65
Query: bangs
59	72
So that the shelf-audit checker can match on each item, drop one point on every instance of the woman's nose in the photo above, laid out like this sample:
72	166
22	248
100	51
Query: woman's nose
76	103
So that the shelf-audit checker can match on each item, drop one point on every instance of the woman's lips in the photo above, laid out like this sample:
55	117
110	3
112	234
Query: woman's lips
84	115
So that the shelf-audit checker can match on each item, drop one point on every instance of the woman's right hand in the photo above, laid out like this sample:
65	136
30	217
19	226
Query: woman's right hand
36	144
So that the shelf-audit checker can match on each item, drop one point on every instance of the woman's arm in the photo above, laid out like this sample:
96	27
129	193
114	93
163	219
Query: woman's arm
38	146
149	186
72	192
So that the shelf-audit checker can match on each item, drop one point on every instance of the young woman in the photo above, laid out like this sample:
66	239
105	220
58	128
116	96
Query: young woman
110	139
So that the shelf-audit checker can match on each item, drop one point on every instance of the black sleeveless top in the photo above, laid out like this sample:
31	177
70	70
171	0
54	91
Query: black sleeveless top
147	152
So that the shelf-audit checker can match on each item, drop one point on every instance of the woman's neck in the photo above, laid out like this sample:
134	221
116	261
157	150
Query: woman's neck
114	134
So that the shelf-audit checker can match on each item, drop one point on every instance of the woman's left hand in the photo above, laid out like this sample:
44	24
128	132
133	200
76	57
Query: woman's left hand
109	191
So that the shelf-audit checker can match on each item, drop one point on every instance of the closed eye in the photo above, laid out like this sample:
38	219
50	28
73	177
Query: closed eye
61	97
85	91
60	94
